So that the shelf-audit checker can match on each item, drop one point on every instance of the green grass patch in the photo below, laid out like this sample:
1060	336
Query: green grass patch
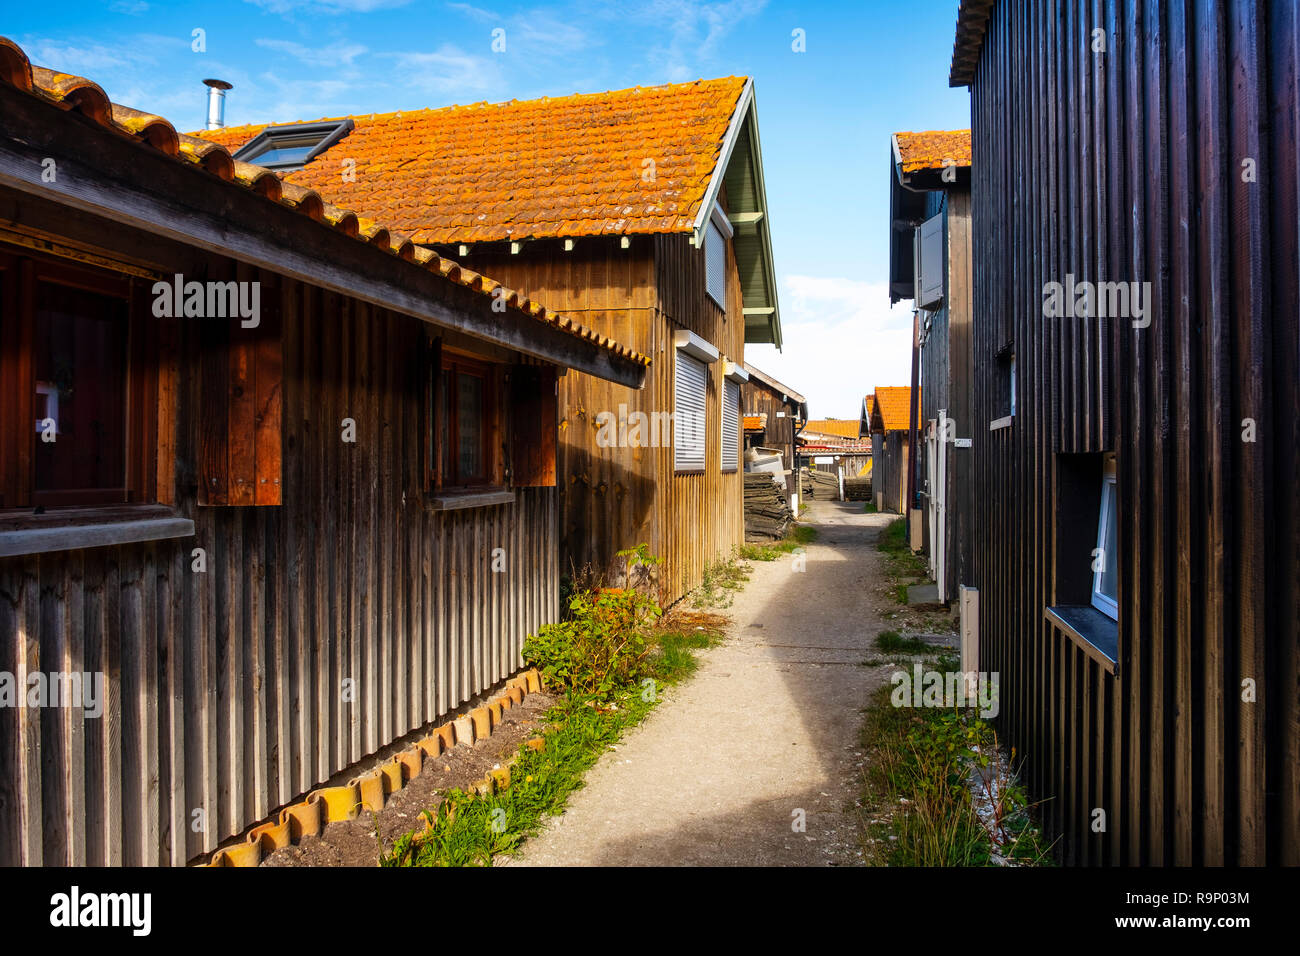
917	799
721	580
799	536
870	508
892	641
676	658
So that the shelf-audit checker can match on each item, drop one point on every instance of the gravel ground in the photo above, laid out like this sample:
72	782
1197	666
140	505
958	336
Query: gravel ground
764	735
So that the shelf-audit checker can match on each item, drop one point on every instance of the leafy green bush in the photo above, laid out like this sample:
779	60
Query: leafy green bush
604	643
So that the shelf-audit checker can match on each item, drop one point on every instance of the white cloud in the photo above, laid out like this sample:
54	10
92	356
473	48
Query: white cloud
450	71
132	8
338	52
477	13
78	57
695	30
842	339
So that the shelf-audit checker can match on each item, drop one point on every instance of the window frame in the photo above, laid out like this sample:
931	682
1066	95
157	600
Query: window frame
1108	503
449	364
146	477
319	136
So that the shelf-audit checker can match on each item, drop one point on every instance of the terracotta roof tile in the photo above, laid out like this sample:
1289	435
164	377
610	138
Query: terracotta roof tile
843	427
893	404
559	166
212	154
927	151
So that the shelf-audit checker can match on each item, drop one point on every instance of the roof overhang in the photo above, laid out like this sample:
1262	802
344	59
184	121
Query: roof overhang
907	210
122	180
789	396
740	169
972	21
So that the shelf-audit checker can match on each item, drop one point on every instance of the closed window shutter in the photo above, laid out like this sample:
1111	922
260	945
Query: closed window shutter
730	426
240	415
715	264
691	383
534	425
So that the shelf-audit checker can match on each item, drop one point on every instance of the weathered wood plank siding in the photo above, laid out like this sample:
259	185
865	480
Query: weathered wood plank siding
757	399
1133	164
225	689
946	371
617	497
889	459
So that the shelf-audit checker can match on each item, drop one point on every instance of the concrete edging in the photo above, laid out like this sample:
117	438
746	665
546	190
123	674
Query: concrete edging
370	791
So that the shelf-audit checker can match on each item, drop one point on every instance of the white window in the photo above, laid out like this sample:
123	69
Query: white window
1105	574
730	425
691	384
715	264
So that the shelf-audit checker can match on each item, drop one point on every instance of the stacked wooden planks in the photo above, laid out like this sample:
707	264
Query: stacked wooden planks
857	489
767	512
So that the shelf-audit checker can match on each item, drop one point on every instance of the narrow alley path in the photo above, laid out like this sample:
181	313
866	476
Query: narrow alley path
767	727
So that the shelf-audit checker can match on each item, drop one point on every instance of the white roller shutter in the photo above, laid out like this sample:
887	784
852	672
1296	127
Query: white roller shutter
691	386
715	265
730	425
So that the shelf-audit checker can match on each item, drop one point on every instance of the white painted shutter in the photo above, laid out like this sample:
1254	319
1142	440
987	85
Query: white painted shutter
929	262
715	264
730	426
691	383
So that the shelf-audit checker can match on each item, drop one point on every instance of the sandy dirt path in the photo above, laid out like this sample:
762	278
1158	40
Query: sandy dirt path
766	731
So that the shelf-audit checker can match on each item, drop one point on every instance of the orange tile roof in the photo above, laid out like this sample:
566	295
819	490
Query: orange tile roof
843	427
755	422
927	151
893	405
81	95
635	161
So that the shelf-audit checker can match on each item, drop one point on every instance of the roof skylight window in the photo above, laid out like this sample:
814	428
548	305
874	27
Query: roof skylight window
293	146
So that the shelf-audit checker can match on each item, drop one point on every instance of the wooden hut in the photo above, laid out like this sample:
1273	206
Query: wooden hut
641	212
1136	546
773	415
929	263
291	493
891	408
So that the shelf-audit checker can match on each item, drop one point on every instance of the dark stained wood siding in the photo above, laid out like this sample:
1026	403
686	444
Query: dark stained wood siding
889	458
945	359
1128	165
225	688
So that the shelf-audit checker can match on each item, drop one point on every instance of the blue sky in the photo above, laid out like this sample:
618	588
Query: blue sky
825	115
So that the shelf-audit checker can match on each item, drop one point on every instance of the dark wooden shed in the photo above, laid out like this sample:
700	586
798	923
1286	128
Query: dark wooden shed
1136	540
929	175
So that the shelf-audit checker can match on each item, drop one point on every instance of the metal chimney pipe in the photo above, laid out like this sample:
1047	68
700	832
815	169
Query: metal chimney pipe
216	102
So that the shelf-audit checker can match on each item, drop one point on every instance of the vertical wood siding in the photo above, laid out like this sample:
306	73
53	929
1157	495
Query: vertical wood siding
1128	165
618	497
757	399
946	381
225	688
889	457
